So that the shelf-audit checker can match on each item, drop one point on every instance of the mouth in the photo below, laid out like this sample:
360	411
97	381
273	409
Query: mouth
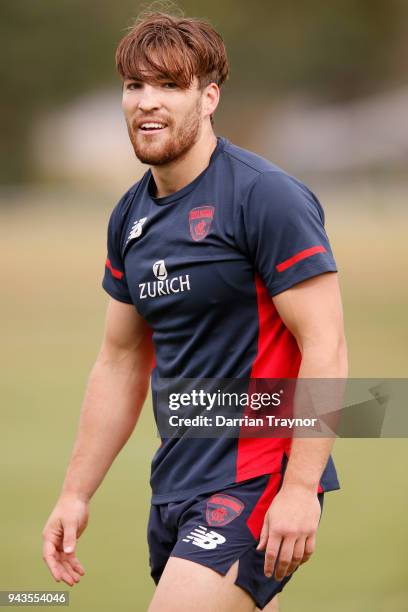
151	127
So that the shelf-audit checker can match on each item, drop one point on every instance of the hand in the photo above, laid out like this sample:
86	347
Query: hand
64	526
289	530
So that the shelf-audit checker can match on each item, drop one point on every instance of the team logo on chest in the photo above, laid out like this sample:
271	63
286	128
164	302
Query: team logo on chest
222	509
200	220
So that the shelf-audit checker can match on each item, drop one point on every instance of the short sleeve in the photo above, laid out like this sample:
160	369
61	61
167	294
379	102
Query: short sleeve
280	224
114	280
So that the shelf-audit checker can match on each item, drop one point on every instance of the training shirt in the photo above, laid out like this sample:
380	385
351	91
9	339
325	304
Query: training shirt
201	266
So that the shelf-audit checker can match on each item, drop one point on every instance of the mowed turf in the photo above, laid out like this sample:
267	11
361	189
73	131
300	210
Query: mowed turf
52	314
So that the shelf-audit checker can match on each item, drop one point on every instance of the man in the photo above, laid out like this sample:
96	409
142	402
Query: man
218	267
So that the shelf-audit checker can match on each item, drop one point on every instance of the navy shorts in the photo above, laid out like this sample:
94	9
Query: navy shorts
217	528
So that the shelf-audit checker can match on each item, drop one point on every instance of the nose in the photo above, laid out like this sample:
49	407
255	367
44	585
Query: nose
149	99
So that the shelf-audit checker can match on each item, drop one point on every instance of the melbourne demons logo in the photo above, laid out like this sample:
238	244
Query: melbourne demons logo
200	219
222	509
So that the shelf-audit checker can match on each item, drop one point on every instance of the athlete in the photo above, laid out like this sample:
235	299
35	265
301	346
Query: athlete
218	266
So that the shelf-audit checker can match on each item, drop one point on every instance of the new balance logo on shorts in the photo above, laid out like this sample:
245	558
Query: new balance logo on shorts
204	539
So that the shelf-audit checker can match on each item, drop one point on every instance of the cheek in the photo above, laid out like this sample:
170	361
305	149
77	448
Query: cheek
125	110
190	114
128	105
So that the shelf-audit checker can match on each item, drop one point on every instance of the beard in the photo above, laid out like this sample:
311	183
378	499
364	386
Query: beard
177	141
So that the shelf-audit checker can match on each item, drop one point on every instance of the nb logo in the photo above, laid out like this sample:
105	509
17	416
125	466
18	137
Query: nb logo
136	230
159	269
204	539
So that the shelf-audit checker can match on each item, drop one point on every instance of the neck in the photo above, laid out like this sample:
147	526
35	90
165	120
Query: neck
174	176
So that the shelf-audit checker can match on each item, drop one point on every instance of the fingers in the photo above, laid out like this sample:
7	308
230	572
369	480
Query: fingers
285	554
272	552
309	548
69	544
77	566
297	557
49	553
292	553
73	575
57	567
285	557
62	566
263	538
66	576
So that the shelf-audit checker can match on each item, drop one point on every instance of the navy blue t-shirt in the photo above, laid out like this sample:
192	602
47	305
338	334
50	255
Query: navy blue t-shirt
201	266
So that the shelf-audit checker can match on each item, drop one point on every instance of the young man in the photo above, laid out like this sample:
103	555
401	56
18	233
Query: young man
218	267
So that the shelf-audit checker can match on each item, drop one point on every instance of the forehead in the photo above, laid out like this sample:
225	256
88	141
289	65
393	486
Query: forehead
145	76
155	66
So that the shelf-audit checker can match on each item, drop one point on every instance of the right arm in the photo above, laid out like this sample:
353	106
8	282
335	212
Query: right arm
114	397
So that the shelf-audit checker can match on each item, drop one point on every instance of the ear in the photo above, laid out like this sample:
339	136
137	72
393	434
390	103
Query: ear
211	97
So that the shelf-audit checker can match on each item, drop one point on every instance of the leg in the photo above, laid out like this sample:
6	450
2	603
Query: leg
189	586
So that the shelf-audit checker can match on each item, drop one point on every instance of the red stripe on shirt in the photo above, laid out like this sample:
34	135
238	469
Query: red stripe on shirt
115	273
284	265
256	518
278	356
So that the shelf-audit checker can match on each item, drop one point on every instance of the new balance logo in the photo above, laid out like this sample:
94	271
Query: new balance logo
136	230
204	539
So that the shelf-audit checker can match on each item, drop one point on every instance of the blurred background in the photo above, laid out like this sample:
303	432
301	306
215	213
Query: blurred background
321	89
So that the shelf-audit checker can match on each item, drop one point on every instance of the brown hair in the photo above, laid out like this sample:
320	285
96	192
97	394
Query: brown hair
161	46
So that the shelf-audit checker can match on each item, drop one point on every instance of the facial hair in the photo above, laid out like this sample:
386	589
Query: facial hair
177	142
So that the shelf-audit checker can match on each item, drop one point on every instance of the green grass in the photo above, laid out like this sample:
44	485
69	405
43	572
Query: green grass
53	311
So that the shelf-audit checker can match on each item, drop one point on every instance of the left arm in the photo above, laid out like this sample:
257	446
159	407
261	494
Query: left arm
312	311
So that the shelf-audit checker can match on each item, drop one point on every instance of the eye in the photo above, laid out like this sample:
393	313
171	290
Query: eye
133	85
170	85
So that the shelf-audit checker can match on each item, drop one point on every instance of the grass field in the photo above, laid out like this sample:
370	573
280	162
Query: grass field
52	314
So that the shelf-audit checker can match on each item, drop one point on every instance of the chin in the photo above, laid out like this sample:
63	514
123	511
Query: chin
160	156
154	158
170	148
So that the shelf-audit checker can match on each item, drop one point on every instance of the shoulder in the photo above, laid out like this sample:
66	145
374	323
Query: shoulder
279	186
273	188
244	159
261	178
121	210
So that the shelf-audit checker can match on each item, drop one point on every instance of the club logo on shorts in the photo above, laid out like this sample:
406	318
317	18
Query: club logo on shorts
204	539
222	509
200	220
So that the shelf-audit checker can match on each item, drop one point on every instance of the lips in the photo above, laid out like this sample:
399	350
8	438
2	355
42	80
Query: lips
151	126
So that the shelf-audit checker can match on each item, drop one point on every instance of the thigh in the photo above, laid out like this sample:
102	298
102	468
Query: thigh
186	585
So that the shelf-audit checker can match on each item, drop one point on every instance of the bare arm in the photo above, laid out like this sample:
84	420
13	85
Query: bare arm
114	397
312	311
